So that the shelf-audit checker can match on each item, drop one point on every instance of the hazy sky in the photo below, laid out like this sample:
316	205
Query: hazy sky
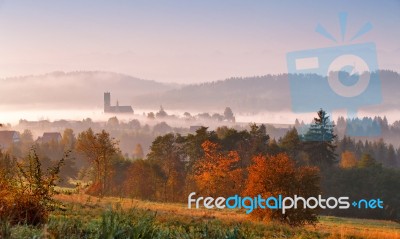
182	41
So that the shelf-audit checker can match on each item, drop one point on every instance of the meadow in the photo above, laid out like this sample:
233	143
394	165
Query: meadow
85	216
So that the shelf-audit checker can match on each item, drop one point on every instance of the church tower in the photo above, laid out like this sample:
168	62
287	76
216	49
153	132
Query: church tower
108	108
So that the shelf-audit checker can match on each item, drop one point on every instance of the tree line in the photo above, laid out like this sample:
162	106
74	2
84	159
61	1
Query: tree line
227	161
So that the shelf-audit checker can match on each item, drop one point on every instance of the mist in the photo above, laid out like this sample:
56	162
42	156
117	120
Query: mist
79	95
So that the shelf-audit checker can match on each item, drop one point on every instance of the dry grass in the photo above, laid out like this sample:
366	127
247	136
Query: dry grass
334	226
161	208
360	228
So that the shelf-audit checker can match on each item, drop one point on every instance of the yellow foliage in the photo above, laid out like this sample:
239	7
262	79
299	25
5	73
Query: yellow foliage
348	160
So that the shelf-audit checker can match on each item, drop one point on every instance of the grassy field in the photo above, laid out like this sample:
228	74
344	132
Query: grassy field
91	217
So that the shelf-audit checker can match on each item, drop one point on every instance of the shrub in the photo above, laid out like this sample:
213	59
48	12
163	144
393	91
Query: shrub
27	199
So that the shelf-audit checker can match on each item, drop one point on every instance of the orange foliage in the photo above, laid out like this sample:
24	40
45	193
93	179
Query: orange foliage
277	175
348	160
217	174
142	181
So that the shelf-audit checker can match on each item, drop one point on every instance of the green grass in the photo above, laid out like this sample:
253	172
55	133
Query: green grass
80	221
90	217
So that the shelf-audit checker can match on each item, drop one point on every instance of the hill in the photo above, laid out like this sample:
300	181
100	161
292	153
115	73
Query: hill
84	90
74	90
254	94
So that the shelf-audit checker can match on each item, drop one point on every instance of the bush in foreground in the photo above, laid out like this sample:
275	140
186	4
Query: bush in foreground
26	190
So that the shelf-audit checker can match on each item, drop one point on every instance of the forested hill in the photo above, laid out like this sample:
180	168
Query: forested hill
243	94
84	90
253	94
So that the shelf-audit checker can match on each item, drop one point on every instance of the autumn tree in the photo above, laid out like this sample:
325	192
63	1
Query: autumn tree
277	175
68	139
26	141
69	169
367	161
167	152
8	166
217	174
99	149
138	152
143	181
348	160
